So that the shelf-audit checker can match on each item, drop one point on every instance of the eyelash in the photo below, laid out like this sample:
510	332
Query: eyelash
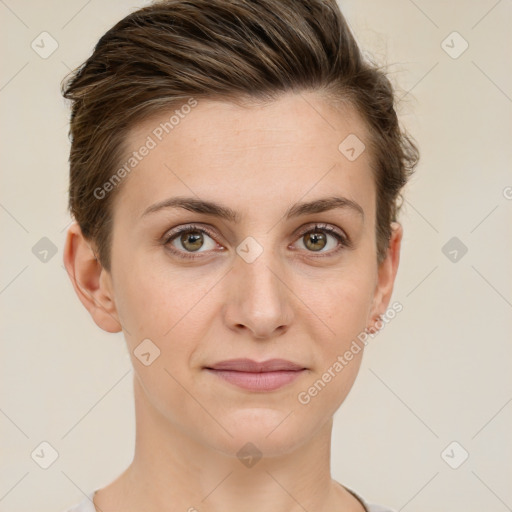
344	241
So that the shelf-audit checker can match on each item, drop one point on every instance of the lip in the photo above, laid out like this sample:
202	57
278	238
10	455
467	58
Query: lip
257	376
249	365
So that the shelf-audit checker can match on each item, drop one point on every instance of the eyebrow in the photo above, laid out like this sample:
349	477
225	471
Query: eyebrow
215	209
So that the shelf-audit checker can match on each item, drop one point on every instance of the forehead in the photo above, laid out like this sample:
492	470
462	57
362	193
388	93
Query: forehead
260	154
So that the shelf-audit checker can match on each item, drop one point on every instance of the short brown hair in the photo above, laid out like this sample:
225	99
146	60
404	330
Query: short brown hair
162	54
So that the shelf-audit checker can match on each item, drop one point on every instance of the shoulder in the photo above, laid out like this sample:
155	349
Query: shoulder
369	507
86	505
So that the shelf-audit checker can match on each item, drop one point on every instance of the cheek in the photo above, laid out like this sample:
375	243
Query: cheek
344	308
343	303
155	298
163	305
173	308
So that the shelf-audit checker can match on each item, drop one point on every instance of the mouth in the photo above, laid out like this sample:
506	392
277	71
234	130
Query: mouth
257	376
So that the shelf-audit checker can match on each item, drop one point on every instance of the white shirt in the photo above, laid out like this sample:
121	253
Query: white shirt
86	505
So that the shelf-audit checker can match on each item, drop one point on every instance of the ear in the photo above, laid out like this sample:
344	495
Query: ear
92	283
386	275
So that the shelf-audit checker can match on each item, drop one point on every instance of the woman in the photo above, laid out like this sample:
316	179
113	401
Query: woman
235	171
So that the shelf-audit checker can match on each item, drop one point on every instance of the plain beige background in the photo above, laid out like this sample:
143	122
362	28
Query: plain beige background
438	373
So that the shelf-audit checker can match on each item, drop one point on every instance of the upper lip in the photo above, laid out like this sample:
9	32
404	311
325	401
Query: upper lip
248	365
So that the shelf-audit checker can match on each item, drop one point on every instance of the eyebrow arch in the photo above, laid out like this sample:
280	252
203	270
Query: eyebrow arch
212	208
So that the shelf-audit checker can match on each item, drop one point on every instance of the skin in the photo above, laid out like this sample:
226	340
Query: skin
289	303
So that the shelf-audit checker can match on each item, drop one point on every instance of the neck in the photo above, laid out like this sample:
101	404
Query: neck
173	471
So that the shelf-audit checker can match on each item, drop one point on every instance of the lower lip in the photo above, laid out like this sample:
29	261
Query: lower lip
263	381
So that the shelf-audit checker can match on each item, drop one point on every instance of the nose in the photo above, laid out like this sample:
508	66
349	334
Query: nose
258	298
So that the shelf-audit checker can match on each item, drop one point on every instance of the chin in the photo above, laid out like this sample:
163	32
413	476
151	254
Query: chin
271	432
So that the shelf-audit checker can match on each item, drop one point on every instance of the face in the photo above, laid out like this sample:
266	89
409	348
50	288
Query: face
291	273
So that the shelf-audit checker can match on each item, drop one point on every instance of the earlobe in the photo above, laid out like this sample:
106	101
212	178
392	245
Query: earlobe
90	280
387	271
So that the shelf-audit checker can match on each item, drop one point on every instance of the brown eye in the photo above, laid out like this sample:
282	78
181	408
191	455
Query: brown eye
188	240
315	241
192	240
323	239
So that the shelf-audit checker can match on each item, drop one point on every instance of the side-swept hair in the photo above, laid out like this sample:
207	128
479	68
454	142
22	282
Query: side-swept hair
161	55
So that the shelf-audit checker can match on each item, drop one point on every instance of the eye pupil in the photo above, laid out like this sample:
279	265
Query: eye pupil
315	238
193	237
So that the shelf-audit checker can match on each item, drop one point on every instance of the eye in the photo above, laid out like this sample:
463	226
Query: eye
186	241
317	239
189	239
